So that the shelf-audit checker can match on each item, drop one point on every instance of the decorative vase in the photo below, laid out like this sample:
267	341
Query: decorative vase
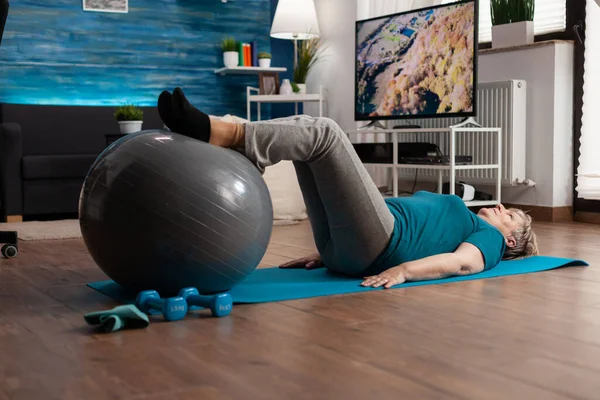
301	87
515	34
286	88
231	59
128	127
264	62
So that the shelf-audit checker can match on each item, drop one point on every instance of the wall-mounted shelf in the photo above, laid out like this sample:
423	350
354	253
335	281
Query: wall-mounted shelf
247	70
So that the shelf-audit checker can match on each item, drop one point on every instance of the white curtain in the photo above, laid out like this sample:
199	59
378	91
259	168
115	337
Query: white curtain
588	180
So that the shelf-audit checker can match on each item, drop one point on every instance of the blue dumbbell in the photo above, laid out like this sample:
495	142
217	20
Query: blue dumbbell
172	309
220	304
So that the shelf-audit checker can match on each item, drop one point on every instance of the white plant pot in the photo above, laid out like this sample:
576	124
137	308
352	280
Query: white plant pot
510	35
128	127
302	87
264	62
231	59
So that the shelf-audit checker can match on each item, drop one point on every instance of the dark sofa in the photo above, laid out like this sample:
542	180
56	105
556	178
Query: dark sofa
45	154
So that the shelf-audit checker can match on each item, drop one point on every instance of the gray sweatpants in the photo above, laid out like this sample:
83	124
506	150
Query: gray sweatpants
350	221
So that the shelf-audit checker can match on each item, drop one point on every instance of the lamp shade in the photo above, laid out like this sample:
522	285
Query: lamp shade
295	19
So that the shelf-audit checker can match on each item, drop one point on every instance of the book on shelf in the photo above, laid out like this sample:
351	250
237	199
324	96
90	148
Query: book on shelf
254	48
248	54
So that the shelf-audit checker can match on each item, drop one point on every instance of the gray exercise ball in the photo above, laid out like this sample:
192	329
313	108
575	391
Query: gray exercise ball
161	211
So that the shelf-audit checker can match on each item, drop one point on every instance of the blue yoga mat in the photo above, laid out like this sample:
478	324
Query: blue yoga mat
276	284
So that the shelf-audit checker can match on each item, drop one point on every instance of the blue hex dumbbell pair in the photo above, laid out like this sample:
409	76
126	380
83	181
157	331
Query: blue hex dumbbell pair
176	308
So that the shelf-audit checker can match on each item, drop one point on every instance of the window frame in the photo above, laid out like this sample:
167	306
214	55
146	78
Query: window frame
576	11
571	18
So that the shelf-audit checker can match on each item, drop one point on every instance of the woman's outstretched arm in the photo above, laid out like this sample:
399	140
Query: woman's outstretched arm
466	260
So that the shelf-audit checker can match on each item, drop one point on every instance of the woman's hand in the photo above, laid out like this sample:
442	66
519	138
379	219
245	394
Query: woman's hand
387	279
312	261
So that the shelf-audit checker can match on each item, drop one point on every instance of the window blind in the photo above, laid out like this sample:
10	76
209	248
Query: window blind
550	16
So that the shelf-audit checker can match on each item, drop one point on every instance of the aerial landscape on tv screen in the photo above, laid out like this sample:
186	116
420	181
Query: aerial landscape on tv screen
419	63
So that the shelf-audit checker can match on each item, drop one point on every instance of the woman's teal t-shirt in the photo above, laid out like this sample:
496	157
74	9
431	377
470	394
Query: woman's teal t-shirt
427	224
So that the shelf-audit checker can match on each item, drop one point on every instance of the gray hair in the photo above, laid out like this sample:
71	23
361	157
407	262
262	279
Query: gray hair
525	238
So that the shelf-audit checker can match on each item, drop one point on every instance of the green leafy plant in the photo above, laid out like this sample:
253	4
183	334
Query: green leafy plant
309	52
511	11
129	113
229	44
264	55
295	87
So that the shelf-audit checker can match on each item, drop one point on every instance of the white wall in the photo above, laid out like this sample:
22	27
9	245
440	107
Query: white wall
336	71
548	71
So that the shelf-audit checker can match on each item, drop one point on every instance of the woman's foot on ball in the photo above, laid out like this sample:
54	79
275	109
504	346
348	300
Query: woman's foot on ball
191	121
181	117
165	110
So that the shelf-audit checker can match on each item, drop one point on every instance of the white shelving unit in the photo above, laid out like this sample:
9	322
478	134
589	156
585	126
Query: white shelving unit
467	127
253	96
247	70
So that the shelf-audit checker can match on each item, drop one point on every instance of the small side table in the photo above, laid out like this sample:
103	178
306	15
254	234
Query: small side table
113	137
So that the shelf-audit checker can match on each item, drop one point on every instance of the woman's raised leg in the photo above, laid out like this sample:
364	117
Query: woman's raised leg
334	183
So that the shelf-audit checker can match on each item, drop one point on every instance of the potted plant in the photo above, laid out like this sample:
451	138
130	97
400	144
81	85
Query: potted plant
295	87
264	60
231	56
512	22
130	118
309	52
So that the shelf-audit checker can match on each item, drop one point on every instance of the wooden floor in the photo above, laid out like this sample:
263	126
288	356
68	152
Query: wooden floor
532	336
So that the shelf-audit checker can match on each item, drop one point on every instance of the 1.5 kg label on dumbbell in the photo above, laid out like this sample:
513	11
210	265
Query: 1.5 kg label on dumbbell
177	308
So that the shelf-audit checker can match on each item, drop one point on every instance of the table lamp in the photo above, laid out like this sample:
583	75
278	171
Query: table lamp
295	20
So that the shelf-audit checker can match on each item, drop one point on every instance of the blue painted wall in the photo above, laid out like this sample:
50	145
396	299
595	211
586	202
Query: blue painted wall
55	53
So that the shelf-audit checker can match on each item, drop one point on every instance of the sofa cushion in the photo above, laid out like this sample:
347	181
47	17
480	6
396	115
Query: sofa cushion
57	166
51	196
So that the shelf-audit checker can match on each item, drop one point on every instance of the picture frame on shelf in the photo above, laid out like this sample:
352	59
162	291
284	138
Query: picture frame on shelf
108	6
268	83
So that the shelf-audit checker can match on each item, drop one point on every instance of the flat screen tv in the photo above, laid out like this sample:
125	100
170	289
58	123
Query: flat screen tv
417	64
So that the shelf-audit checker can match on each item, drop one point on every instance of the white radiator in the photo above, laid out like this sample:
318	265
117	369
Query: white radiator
499	104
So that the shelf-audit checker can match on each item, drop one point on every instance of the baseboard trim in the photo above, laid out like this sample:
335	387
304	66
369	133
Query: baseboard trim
546	214
587	217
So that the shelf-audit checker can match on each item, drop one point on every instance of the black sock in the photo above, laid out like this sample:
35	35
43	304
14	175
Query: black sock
165	110
189	120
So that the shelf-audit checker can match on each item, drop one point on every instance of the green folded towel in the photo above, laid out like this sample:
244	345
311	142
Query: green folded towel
121	317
